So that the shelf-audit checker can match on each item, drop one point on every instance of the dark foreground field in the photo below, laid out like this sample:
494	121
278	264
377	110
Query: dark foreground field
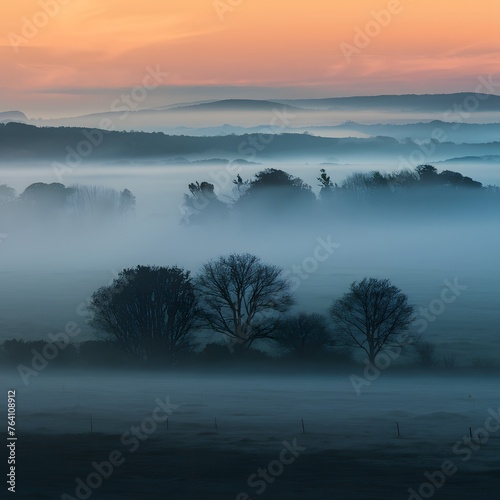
244	437
162	470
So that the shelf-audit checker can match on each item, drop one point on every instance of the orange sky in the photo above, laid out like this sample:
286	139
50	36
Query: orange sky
90	49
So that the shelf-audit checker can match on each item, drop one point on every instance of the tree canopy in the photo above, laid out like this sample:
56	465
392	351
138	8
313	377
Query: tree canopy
371	316
150	311
242	298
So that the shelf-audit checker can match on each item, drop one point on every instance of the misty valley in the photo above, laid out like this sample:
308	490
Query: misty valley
243	299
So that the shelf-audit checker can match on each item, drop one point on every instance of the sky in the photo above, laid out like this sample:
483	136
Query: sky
71	57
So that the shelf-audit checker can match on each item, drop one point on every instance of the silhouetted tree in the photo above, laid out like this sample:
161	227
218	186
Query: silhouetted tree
94	201
326	185
457	180
426	354
238	182
242	298
450	360
303	335
126	203
7	194
240	188
276	192
362	182
202	205
150	311
403	179
46	197
272	178
427	175
22	352
371	316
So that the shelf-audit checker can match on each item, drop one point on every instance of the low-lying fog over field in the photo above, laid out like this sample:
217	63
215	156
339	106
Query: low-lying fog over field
48	271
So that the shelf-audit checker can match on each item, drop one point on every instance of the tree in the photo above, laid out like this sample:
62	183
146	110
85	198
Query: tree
326	185
426	354
275	178
457	180
362	182
371	316
7	194
150	311
403	179
126	202
303	335
428	175
94	201
202	205
46	197
274	192
242	298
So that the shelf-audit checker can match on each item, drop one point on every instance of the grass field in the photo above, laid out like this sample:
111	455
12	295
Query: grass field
350	448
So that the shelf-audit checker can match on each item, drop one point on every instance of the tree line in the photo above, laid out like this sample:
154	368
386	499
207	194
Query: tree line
158	316
152	316
276	194
42	202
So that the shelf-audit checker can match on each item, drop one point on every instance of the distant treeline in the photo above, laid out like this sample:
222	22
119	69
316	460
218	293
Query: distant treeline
109	354
104	354
41	202
69	146
276	194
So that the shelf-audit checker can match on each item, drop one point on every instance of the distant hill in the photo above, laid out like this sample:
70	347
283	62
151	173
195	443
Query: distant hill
12	116
447	131
298	113
407	102
474	159
236	105
21	142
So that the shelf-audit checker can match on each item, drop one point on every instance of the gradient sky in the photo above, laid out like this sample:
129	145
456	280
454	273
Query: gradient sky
91	51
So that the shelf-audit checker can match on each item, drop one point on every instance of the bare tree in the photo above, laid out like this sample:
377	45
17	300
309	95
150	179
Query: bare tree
426	354
242	298
94	201
150	311
450	360
371	316
303	335
126	202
